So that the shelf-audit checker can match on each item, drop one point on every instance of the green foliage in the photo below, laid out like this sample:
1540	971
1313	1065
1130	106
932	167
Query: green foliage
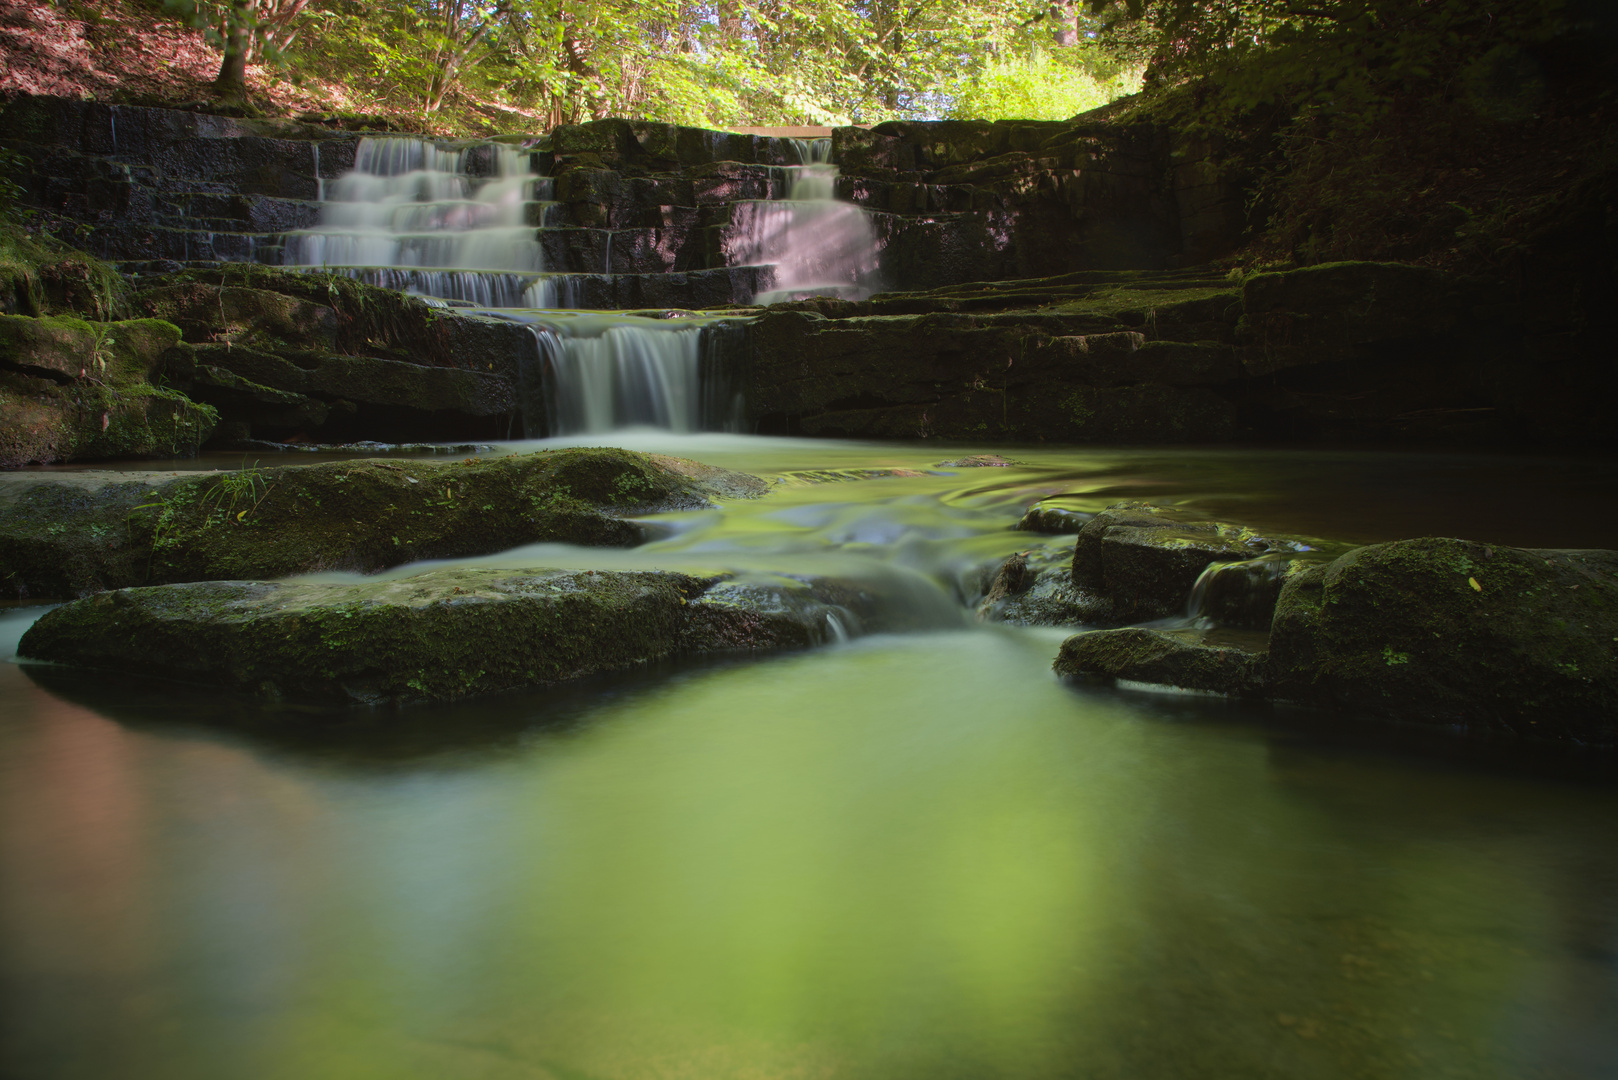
717	63
1325	103
246	488
1038	87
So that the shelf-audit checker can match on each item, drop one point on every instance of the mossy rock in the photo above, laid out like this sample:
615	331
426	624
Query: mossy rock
241	316
441	635
1168	658
1145	559
1457	632
62	347
44	421
41	276
69	537
446	633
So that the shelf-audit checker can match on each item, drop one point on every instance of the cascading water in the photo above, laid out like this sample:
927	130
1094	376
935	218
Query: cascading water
464	225
817	245
455	224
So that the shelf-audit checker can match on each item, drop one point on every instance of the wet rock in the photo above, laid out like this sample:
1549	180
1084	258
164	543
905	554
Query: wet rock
775	612
83	532
387	367
73	390
1169	658
1456	632
254	405
1045	517
443	634
1084	357
241	316
978	461
1044	595
65	348
371	396
1013	577
440	635
43	422
1145	559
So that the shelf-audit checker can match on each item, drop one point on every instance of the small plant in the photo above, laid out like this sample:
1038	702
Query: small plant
632	487
103	347
246	485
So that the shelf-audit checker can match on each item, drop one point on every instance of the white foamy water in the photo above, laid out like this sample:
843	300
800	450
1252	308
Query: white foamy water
409	203
818	246
464	225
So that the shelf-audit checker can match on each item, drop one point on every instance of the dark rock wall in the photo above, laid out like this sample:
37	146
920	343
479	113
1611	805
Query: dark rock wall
1346	351
952	202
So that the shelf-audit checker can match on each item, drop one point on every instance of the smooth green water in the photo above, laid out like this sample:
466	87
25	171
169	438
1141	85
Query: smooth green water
902	856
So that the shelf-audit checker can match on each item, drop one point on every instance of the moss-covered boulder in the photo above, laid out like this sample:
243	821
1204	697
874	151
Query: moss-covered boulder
241	316
73	390
1172	658
79	534
1457	632
1143	560
66	348
41	276
443	634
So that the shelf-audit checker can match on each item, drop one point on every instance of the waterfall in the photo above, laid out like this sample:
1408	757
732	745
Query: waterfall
456	224
817	245
463	225
599	373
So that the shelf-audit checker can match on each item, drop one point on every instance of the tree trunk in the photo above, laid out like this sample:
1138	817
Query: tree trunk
231	84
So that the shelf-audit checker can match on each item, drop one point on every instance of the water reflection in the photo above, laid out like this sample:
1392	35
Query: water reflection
903	857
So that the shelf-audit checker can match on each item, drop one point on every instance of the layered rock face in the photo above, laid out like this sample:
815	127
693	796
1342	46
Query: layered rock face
952	201
1365	352
1059	298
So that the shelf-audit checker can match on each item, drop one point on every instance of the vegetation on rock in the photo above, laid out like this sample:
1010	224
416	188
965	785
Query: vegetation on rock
103	531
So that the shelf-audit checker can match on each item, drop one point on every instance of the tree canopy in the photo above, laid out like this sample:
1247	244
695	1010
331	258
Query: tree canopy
715	63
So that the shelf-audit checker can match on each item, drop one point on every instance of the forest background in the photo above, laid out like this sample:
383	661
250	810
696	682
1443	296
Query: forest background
1442	131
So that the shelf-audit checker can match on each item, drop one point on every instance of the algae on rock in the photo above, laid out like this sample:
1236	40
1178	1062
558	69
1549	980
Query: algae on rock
69	537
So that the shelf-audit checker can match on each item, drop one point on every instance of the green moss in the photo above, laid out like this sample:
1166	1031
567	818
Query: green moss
353	515
40	276
1399	629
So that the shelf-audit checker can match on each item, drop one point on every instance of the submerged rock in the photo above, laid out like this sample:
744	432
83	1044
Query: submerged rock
1171	658
1057	520
80	533
1457	632
443	634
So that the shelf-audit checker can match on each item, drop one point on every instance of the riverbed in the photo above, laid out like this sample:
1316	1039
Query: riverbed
889	856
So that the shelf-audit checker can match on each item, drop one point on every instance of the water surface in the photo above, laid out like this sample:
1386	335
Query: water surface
903	855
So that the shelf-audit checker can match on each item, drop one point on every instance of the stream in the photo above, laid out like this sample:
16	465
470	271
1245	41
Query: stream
894	855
